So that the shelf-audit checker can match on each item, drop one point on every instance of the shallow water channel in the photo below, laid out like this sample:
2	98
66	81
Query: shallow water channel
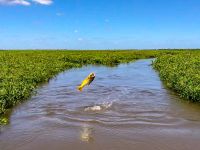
126	107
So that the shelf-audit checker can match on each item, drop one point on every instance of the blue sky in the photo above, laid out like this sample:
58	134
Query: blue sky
99	24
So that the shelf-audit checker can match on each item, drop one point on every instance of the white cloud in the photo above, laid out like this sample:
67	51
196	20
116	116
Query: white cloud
25	2
44	2
15	2
80	39
59	14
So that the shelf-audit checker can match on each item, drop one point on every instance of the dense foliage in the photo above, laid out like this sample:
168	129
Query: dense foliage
181	72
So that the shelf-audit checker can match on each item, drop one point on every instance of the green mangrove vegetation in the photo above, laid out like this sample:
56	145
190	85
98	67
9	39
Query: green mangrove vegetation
181	72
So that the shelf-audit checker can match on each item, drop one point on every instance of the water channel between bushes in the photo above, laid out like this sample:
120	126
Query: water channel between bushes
125	108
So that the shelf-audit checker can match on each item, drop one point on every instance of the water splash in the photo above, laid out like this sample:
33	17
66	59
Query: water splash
99	107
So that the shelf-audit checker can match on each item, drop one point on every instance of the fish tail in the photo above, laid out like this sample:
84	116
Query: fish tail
80	88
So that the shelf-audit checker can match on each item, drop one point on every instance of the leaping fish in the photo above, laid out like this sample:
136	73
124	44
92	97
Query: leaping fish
86	81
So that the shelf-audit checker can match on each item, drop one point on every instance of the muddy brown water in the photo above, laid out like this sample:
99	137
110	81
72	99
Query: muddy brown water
125	108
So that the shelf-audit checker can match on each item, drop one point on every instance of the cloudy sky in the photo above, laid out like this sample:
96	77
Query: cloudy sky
99	24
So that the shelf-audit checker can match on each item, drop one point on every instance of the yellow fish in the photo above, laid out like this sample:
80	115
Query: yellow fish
86	81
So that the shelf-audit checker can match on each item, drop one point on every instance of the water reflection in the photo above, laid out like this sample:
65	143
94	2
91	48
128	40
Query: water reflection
86	134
